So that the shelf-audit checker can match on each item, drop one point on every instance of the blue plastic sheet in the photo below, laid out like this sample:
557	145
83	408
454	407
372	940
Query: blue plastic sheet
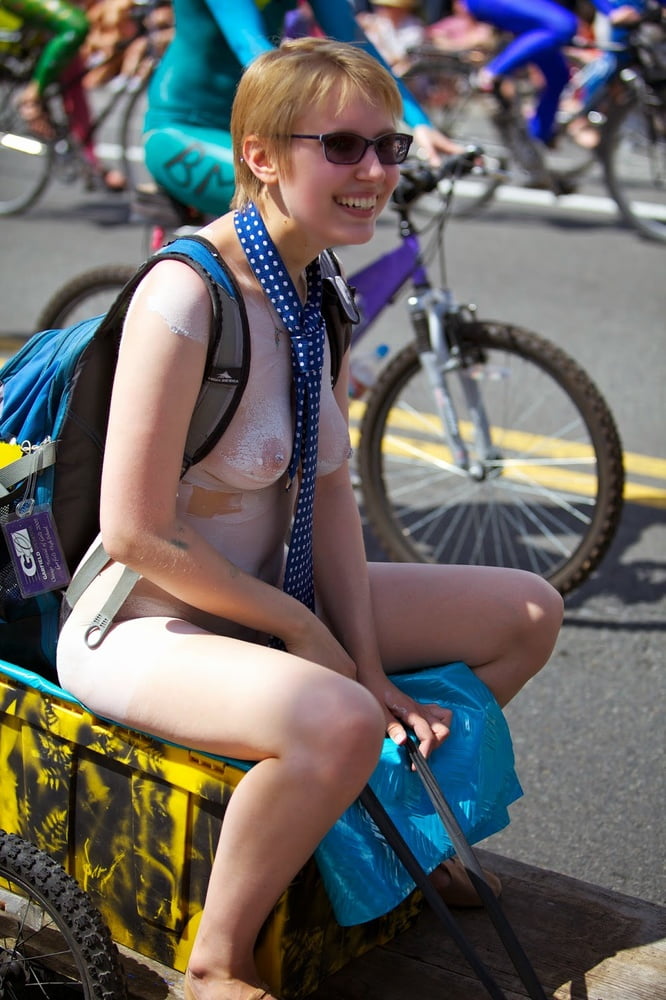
475	770
474	767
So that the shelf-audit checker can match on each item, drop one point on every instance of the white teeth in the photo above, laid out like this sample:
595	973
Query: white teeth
364	203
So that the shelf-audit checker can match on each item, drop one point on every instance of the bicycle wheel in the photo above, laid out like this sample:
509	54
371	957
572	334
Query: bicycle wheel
633	153
53	942
442	86
131	137
89	294
548	499
25	160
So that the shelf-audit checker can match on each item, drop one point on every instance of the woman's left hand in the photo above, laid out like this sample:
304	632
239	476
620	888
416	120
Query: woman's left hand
429	722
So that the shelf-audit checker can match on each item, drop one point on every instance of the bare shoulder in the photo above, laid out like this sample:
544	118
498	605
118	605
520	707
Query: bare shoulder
222	234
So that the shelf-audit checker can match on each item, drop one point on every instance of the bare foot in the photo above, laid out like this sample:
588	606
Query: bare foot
114	180
583	133
233	990
34	115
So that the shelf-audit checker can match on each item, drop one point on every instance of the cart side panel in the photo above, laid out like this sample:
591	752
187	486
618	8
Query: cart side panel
136	821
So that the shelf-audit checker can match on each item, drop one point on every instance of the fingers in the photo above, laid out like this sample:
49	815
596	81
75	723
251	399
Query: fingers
431	727
432	144
430	723
396	731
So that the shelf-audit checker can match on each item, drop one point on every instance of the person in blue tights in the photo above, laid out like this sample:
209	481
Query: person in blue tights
187	138
540	28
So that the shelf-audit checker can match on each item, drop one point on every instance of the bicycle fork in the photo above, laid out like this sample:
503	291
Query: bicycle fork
432	312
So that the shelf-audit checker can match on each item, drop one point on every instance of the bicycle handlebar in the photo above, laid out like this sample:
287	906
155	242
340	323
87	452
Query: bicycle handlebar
418	178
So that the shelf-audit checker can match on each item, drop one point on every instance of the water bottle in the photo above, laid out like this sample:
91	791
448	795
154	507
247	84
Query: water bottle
364	369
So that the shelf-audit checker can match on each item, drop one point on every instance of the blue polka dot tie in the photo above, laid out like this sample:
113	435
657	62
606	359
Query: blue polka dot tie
306	329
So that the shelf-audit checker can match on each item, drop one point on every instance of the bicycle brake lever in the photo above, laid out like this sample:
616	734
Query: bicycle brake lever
416	178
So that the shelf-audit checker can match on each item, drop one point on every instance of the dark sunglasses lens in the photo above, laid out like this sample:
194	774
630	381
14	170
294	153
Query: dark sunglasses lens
344	147
392	149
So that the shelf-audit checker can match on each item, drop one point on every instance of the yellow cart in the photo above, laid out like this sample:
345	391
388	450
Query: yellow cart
108	835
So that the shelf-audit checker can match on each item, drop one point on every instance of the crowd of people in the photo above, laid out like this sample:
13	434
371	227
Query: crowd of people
84	45
87	43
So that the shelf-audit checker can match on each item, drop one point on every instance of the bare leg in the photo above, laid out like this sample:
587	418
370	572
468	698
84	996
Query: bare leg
502	623
316	736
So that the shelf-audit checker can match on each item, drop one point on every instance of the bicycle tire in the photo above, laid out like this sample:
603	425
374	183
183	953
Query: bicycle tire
88	294
550	503
434	81
52	939
25	160
633	155
130	137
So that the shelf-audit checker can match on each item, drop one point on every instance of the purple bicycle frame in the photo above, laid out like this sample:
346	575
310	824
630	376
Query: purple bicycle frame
378	282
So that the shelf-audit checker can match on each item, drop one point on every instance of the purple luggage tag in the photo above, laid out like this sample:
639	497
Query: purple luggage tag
35	550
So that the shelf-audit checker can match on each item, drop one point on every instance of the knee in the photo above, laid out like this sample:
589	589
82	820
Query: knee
544	612
358	725
342	733
547	601
564	26
571	27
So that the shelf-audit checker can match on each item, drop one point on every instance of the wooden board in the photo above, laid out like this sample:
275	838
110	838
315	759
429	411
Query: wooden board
586	943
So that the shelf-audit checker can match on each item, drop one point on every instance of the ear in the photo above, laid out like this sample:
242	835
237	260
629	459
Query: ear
259	159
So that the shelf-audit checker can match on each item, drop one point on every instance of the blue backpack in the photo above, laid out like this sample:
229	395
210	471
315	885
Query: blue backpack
54	402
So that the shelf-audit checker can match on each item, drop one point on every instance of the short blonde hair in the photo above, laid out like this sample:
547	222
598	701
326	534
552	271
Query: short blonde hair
280	85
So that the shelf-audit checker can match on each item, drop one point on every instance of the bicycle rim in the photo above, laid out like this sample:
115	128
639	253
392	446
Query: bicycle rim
131	138
550	499
25	161
89	294
53	942
633	153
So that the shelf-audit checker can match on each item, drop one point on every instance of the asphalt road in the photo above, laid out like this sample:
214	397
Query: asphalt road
589	732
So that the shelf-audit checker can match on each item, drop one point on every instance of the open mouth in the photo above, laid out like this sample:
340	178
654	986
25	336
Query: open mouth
365	204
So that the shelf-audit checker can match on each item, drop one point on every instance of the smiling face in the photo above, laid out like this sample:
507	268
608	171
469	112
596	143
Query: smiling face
336	203
311	85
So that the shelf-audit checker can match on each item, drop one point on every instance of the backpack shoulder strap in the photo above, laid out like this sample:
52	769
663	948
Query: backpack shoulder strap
338	307
228	361
228	358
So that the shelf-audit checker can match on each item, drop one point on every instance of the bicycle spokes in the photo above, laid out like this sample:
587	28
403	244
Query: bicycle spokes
533	480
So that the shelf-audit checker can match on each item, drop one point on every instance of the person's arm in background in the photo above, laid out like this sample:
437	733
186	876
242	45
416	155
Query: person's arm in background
622	13
67	27
242	25
338	21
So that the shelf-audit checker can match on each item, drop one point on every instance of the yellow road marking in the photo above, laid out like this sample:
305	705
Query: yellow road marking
530	446
572	480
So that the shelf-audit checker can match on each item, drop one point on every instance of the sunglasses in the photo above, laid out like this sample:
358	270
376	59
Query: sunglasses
346	148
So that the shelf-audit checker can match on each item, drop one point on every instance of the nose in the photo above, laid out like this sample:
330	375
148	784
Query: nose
369	164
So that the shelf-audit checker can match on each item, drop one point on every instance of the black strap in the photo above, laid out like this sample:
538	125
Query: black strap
387	827
339	309
464	851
